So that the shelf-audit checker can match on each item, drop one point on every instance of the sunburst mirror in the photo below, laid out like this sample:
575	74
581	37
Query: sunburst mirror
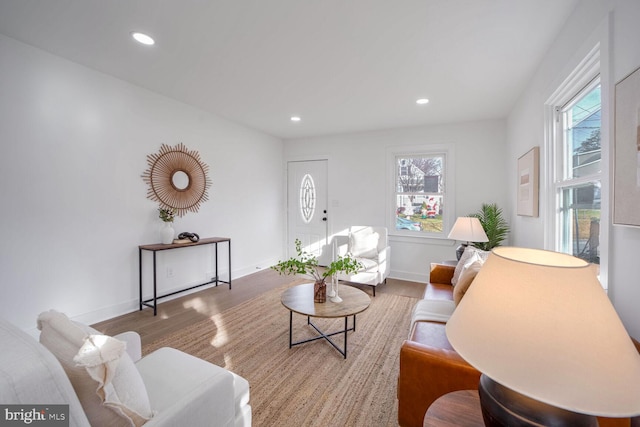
177	179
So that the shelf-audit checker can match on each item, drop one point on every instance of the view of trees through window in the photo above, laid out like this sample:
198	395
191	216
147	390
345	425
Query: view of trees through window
579	186
420	193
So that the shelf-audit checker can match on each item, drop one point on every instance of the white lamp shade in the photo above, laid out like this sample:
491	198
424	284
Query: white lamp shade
468	229
539	323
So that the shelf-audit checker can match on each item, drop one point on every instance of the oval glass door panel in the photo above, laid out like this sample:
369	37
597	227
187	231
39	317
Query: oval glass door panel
307	198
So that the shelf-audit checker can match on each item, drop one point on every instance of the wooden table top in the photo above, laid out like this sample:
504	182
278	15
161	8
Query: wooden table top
203	241
456	409
299	299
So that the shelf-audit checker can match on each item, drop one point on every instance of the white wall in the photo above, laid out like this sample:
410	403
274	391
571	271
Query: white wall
615	25
73	147
358	181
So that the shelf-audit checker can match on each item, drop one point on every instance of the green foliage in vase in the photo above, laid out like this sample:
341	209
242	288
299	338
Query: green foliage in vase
167	214
307	265
494	224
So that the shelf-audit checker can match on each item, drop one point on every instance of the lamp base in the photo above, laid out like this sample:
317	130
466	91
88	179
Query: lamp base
503	407
460	250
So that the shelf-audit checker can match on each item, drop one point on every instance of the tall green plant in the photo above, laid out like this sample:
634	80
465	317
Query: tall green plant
494	224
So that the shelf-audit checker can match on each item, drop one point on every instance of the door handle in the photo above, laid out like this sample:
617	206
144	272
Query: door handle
325	215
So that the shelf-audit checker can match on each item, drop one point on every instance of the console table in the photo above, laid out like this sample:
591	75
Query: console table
160	247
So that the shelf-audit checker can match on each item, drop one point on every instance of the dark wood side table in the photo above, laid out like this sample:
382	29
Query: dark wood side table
153	302
456	409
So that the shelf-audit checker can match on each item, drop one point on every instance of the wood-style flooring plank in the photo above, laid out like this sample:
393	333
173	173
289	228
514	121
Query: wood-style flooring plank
176	314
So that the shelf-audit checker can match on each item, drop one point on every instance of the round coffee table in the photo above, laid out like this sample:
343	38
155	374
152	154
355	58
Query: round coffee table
299	299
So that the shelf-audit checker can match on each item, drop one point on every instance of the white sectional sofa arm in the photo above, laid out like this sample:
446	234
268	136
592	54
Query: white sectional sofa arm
187	391
182	390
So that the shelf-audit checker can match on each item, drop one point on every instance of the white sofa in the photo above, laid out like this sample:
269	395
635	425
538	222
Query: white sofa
181	390
370	246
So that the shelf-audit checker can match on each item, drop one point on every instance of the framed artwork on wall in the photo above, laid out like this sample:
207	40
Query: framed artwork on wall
626	170
528	177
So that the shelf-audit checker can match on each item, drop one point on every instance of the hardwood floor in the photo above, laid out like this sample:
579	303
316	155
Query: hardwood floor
180	312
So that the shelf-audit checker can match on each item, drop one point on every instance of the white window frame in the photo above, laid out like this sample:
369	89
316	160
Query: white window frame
448	217
589	69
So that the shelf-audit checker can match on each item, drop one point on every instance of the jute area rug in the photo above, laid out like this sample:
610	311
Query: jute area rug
311	384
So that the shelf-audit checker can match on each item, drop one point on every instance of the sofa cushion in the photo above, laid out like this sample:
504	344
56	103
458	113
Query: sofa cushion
427	310
438	291
103	375
469	273
467	254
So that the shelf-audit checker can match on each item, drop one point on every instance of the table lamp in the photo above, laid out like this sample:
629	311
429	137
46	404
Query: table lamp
467	229
548	342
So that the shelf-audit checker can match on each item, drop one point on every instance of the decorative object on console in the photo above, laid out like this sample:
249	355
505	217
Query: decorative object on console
548	342
177	178
467	229
528	172
167	232
167	214
192	237
307	265
493	224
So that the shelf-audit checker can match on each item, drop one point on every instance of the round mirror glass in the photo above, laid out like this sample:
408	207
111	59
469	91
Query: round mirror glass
180	180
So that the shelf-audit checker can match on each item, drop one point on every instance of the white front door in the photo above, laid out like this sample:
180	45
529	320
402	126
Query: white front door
307	207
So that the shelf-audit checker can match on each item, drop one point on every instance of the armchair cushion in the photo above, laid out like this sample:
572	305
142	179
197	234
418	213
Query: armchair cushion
368	265
363	243
103	375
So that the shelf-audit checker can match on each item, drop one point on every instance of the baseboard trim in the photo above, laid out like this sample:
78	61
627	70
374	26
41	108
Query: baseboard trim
132	305
407	275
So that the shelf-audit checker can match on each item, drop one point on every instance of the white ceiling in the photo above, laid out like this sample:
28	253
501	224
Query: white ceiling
341	65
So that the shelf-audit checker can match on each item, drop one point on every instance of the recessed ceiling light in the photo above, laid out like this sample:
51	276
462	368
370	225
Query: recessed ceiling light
295	119
143	38
422	101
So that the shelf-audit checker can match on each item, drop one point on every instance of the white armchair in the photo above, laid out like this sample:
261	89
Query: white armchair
370	246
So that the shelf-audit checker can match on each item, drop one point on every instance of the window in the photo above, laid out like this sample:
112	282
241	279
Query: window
578	170
307	198
419	180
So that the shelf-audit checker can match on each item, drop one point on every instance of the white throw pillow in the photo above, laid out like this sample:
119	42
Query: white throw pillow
364	243
103	375
469	273
469	251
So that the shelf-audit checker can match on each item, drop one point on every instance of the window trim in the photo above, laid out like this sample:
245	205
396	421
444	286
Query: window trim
595	64
448	217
